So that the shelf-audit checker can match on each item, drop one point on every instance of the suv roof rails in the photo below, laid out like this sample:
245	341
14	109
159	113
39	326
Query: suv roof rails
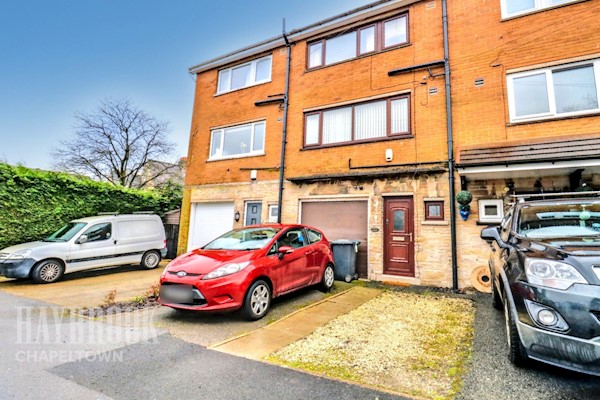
522	197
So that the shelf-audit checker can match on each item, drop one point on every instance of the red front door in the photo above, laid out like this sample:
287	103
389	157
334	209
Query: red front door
399	248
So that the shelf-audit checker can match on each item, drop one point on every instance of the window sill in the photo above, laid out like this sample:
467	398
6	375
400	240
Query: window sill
553	118
340	144
483	223
242	88
235	157
435	223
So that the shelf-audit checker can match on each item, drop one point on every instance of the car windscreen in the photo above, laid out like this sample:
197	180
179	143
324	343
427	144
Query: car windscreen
559	220
243	239
65	233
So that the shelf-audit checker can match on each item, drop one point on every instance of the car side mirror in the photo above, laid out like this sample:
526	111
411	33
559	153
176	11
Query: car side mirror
283	250
82	239
491	234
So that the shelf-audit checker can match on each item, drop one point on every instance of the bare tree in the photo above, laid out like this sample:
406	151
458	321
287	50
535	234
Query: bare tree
118	143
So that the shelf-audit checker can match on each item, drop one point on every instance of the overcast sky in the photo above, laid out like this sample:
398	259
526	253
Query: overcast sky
63	56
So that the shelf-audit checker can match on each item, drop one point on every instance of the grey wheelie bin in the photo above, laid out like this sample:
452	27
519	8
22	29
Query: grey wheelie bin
344	257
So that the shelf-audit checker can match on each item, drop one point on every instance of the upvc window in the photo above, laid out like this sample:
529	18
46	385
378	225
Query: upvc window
238	141
491	210
566	90
512	8
244	75
368	121
367	39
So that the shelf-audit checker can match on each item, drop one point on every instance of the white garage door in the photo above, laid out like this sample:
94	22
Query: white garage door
209	221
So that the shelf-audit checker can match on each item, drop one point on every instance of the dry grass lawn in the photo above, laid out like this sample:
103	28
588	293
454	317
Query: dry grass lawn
414	344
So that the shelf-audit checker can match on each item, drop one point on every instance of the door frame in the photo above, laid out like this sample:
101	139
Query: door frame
411	273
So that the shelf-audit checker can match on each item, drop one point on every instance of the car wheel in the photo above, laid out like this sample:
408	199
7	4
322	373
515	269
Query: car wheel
257	300
150	259
48	271
516	350
327	280
496	300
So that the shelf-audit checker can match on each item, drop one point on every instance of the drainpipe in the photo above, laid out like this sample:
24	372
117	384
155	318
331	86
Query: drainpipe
285	117
450	146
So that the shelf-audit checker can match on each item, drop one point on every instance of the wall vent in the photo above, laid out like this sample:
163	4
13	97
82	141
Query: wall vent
479	82
433	91
430	5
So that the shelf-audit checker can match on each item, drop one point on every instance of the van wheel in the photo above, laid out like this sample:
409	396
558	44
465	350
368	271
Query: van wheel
48	271
150	259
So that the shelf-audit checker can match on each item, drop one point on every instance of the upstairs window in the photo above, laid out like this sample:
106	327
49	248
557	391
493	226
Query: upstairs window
238	141
369	121
567	90
513	8
240	76
368	39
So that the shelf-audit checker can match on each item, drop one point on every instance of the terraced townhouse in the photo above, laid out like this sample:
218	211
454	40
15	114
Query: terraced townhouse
368	124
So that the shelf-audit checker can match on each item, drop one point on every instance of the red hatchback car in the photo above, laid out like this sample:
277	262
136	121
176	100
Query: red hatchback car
246	268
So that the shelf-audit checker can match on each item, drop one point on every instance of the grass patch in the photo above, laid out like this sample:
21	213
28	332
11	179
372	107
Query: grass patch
405	342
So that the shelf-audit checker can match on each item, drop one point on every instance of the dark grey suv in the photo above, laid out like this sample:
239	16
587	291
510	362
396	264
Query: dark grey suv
545	268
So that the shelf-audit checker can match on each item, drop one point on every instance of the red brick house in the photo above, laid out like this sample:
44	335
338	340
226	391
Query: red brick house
345	125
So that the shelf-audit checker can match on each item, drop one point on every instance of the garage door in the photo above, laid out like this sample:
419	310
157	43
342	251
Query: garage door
341	220
209	221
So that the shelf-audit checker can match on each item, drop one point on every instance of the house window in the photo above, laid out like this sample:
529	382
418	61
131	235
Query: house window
347	45
434	210
565	90
244	75
513	8
273	212
369	121
491	210
238	141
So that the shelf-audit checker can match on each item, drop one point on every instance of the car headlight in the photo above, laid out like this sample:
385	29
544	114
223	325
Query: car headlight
552	274
19	255
225	270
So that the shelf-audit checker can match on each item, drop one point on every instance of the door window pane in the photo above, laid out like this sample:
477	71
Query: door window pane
399	218
394	32
315	57
399	110
531	95
312	129
337	125
575	89
263	70
370	120
239	76
98	232
340	48
258	143
367	40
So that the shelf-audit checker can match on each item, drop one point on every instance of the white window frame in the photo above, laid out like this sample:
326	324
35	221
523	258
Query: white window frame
251	81
550	91
223	131
539	5
273	208
491	218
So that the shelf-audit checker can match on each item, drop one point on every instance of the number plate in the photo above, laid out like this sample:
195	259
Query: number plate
176	294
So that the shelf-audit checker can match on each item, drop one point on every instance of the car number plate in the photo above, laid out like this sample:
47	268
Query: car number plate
176	294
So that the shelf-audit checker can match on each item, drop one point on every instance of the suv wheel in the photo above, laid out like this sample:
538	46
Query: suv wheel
496	300
516	351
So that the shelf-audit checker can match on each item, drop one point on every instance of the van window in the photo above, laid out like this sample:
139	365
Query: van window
99	232
137	229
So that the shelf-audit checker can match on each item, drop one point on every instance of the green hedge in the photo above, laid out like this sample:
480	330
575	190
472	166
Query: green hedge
35	203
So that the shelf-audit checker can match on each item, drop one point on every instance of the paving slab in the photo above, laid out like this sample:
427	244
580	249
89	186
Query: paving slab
264	341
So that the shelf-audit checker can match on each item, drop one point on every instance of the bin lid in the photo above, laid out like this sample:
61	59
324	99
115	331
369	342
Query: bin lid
346	241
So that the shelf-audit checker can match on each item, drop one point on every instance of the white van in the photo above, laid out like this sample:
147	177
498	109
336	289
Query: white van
87	243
